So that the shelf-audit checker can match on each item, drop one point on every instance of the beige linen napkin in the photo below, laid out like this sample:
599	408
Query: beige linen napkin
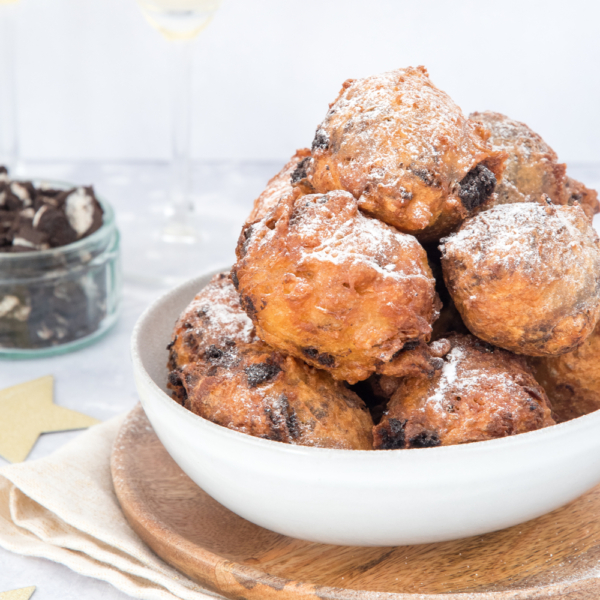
64	508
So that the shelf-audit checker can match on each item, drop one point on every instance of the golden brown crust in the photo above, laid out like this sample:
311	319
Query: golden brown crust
572	381
279	185
532	168
214	318
299	405
402	147
526	277
333	287
223	373
481	393
416	359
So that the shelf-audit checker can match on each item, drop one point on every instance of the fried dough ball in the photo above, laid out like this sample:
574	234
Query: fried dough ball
404	149
572	381
576	192
481	393
279	185
532	167
343	292
526	277
224	373
213	318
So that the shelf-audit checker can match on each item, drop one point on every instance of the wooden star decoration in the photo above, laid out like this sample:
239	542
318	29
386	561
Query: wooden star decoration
20	594
26	411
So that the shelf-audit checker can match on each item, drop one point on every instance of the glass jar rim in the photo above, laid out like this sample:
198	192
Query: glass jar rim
107	227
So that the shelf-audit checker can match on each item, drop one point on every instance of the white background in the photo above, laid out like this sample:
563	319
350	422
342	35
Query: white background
93	76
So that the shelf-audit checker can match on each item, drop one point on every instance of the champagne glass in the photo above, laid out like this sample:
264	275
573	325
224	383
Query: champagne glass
9	149
172	253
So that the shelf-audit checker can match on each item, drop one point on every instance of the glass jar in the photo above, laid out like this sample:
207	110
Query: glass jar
61	299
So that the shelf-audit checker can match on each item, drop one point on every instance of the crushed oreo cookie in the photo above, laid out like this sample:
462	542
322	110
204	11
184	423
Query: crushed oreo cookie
53	298
476	187
40	314
427	177
393	437
321	141
260	373
301	170
327	360
38	218
425	439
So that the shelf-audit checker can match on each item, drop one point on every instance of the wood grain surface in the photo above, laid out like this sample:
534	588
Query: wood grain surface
555	556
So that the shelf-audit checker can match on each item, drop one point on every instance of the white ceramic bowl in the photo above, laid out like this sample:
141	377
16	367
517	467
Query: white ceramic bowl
358	497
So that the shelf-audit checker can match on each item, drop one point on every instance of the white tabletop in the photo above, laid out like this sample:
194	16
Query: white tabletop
98	380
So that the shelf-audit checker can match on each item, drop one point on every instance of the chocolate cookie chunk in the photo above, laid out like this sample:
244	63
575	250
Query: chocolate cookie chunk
38	218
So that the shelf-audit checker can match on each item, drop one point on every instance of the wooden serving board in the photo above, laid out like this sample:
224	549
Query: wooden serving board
555	556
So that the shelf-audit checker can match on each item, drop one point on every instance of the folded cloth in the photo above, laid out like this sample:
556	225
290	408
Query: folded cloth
64	508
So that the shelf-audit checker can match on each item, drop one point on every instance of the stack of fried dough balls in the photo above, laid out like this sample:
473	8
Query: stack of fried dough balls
327	332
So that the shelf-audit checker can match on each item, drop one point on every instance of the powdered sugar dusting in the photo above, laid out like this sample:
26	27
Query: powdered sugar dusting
506	133
447	378
459	380
367	241
344	237
401	113
525	237
222	316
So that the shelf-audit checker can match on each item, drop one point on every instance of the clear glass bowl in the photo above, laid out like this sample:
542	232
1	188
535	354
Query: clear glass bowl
59	300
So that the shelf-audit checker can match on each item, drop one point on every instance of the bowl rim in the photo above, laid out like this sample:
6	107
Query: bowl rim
108	224
508	442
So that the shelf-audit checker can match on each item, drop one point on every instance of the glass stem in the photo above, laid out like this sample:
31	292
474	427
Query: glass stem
9	148
180	222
